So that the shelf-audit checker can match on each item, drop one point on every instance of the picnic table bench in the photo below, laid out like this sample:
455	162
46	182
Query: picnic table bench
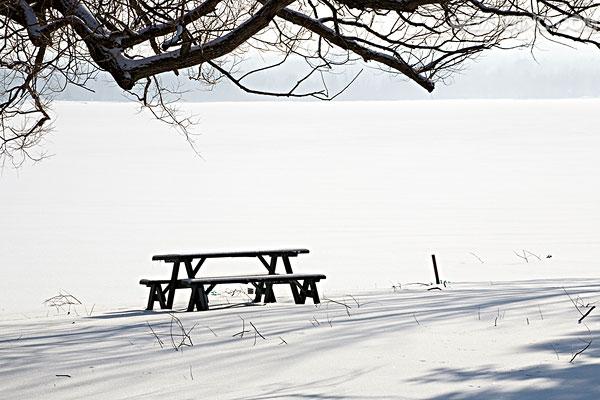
303	286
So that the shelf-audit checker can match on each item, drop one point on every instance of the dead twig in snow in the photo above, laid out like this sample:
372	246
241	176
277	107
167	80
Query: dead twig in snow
476	256
256	332
525	253
532	254
588	344
355	300
282	341
524	256
416	320
61	300
185	338
586	314
573	301
341	304
241	333
158	339
89	314
555	351
582	303
213	332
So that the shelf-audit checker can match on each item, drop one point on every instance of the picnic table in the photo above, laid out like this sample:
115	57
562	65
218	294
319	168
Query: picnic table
303	286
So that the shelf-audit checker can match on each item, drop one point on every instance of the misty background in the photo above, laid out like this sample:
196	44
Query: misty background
551	70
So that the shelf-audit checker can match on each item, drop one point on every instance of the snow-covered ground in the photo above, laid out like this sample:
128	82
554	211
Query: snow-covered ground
469	341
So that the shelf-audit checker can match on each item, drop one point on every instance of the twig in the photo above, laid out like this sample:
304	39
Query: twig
586	314
416	320
476	256
256	332
185	335
533	254
213	332
63	375
356	301
282	341
158	339
555	351
171	335
572	301
241	333
524	256
589	343
329	321
341	304
62	299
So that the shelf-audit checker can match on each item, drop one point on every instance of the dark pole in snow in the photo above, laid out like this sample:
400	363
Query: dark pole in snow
437	277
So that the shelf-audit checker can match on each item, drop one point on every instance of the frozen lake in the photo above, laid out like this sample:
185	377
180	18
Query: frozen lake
371	188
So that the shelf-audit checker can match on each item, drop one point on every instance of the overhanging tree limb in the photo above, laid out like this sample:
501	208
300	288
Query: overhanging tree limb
49	45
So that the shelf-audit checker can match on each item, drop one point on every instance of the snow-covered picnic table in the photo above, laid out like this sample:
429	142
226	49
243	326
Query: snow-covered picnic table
163	291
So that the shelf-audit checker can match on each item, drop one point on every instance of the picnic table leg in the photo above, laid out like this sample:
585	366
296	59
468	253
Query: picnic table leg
156	294
309	289
198	299
259	288
150	305
315	292
266	289
269	294
303	292
173	285
293	285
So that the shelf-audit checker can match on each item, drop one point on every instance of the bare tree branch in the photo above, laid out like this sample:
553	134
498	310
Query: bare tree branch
50	45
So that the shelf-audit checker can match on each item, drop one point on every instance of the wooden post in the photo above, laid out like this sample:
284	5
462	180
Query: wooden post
437	276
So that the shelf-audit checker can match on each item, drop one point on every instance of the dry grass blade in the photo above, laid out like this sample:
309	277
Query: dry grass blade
158	339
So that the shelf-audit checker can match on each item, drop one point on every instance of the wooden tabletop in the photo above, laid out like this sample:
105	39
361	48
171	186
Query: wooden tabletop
254	253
